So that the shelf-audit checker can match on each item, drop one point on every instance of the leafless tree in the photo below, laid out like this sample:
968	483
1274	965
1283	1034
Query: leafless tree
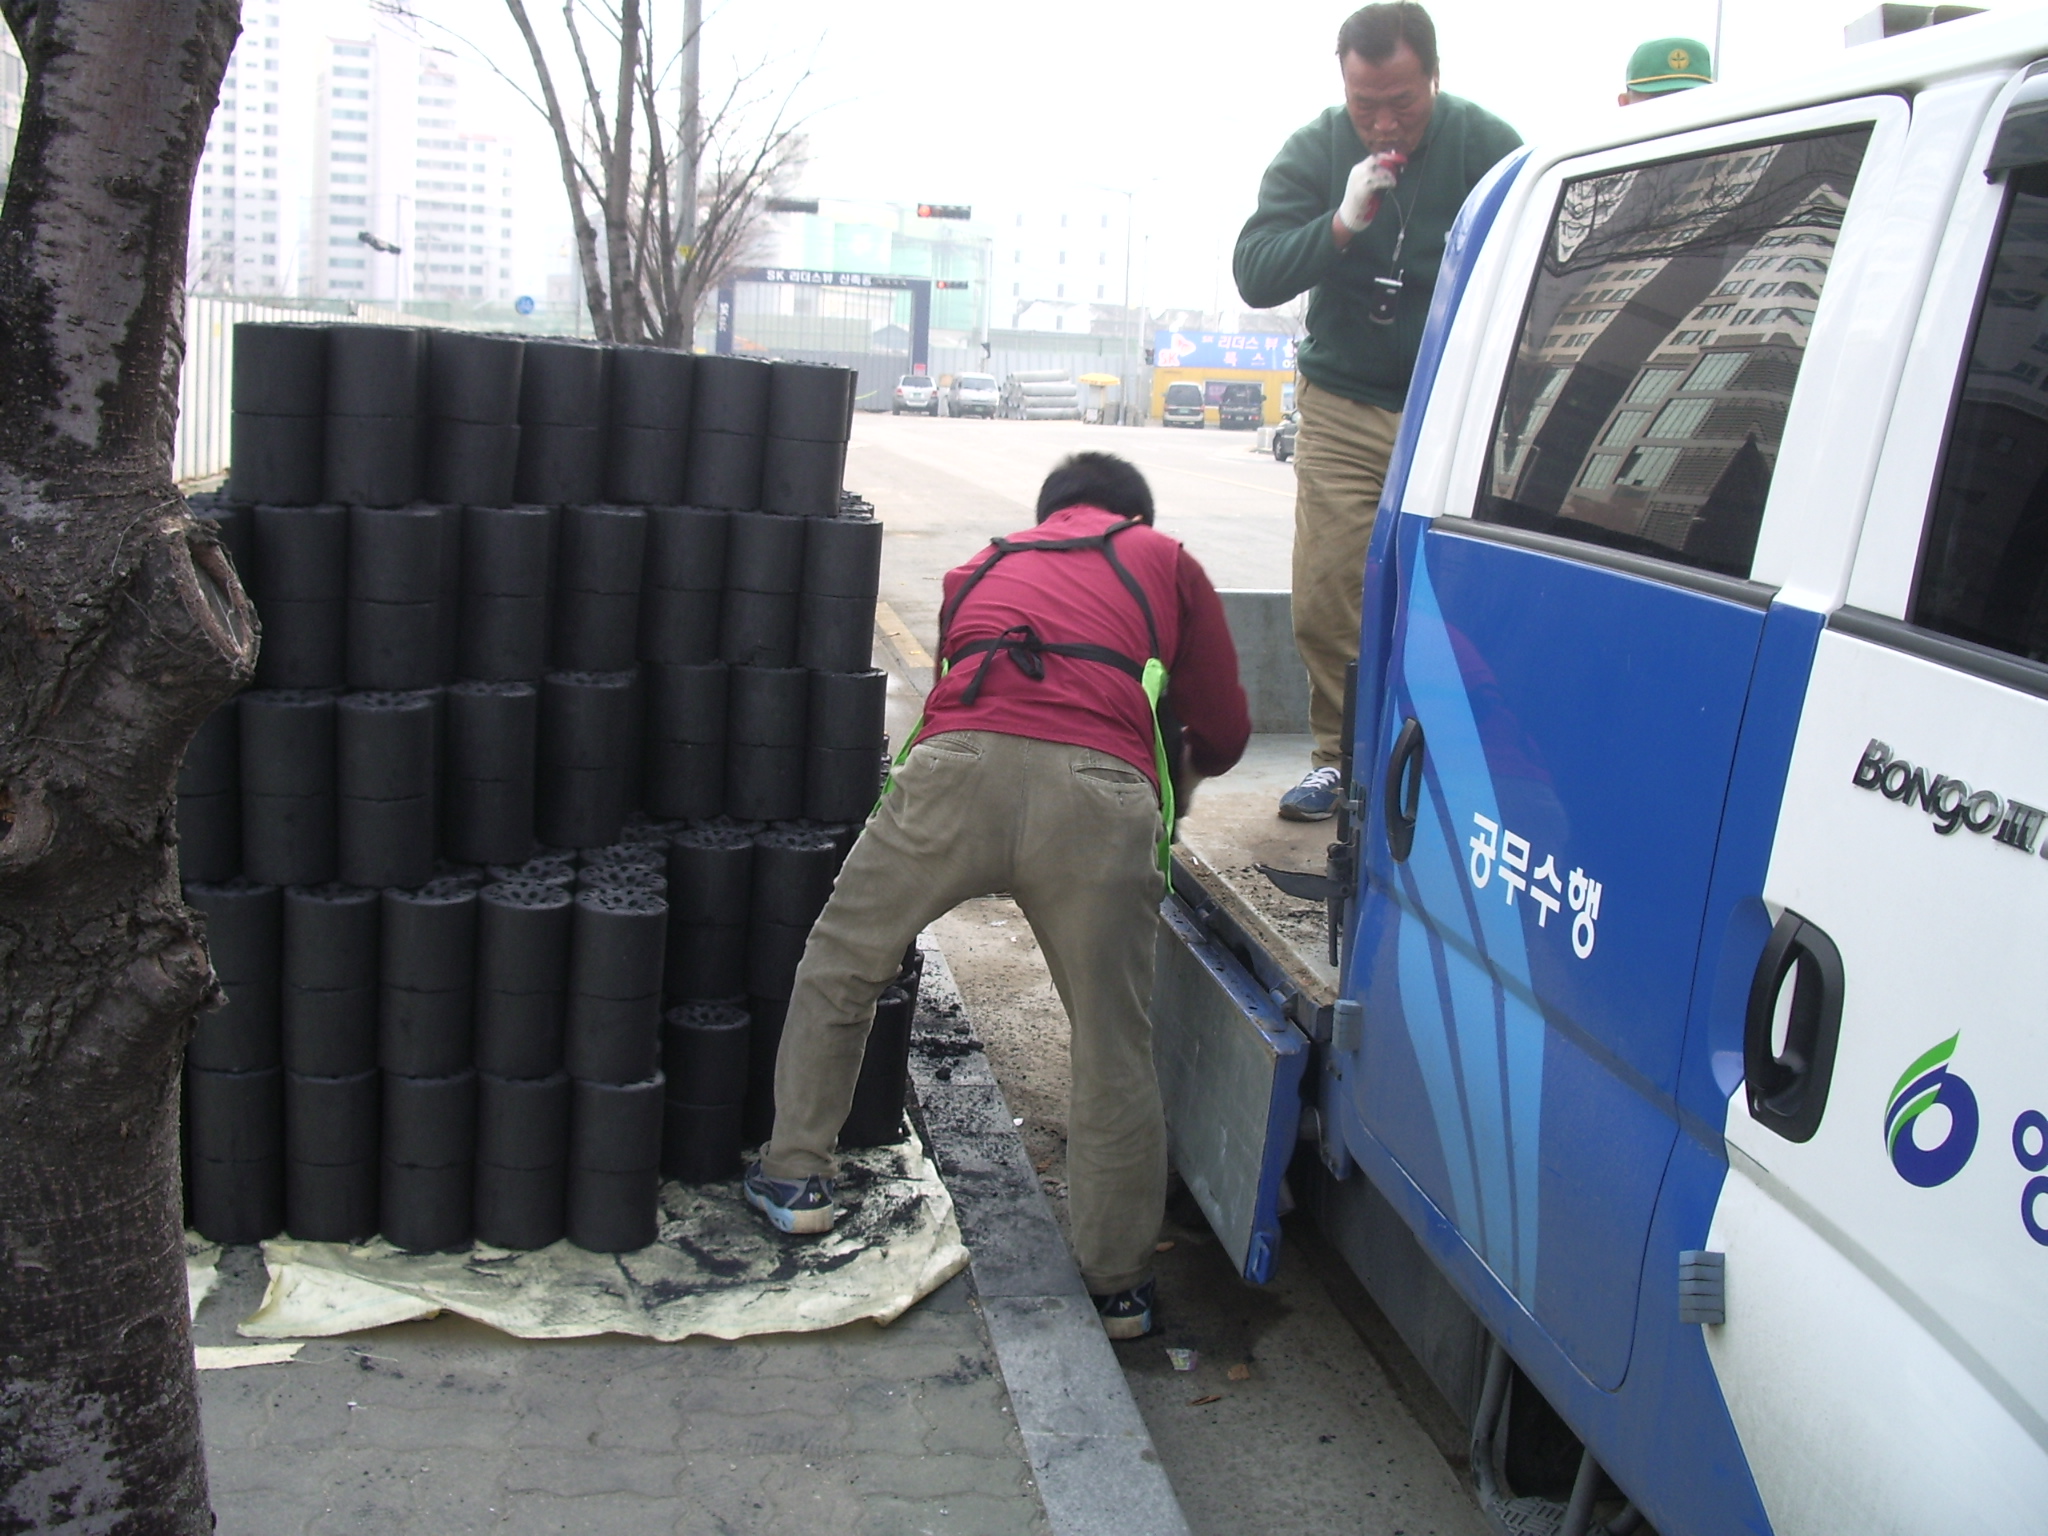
678	198
122	625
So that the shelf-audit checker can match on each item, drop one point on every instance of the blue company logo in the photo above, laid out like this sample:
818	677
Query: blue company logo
1923	1085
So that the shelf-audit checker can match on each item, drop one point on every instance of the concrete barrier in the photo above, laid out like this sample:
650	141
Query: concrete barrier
1275	682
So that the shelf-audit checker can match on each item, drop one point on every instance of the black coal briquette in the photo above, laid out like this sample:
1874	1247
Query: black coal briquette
843	557
876	1118
651	387
616	944
565	383
686	547
700	1143
278	460
802	479
645	465
234	1117
612	1212
332	1120
807	401
280	368
473	377
371	461
331	1204
374	370
730	394
704	1052
616	1127
520	1208
723	469
522	1122
426	1210
472	463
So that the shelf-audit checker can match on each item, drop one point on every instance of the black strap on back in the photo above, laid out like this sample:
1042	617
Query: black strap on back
1019	643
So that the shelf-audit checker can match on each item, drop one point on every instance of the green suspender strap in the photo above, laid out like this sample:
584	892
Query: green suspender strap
1028	652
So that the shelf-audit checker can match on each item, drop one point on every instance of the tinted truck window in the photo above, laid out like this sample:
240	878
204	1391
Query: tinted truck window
1659	349
1984	570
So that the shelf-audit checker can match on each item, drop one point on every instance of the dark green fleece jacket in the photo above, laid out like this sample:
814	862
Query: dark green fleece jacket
1287	246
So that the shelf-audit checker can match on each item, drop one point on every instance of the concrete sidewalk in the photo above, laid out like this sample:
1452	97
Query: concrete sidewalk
994	1406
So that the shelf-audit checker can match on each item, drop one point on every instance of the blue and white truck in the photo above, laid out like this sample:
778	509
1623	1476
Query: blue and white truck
1679	1071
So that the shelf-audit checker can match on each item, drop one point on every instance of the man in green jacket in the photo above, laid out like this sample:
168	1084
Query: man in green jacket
1357	206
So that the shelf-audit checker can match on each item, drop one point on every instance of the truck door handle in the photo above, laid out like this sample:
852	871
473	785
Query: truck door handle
1404	789
1788	1089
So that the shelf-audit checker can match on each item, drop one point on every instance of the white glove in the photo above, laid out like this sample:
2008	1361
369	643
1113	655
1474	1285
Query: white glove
1371	177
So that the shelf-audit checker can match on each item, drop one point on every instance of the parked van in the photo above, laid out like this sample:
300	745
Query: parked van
1183	407
973	394
1687	1034
1242	408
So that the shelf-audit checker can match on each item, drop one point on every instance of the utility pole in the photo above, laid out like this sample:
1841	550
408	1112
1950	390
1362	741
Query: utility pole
691	132
1123	388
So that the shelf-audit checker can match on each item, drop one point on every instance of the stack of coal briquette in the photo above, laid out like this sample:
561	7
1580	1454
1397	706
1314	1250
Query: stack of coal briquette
437	904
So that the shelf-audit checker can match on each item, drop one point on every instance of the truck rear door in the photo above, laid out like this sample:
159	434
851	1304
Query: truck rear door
1571	652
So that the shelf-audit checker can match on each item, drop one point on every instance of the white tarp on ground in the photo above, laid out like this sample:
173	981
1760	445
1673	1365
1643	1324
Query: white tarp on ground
715	1269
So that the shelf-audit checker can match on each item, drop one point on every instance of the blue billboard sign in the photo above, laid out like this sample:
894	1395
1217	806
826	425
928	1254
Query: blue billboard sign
1222	349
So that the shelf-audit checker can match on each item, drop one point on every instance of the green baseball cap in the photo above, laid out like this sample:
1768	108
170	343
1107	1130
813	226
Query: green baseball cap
1669	64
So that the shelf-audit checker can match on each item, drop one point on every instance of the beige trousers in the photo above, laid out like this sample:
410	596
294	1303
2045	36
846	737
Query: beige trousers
1072	834
1340	469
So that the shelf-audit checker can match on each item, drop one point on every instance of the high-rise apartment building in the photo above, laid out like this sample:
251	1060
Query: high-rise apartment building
248	207
350	165
13	81
409	201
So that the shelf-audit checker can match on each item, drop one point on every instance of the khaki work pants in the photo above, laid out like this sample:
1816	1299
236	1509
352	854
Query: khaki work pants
1072	834
1340	468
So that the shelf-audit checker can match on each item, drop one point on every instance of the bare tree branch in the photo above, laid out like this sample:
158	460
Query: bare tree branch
619	180
590	93
586	236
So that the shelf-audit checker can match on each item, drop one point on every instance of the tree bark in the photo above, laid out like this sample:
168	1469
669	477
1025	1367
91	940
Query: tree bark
618	186
122	625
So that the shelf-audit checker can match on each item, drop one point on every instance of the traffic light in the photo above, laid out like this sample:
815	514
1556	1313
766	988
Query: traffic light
792	205
944	211
949	283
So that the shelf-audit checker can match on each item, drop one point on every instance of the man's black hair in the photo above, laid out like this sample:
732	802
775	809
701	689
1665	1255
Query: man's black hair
1376	31
1096	480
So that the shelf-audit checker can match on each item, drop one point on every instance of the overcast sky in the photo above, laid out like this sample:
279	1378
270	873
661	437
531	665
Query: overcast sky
1183	104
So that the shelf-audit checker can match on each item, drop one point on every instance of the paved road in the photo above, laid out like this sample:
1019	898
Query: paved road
946	487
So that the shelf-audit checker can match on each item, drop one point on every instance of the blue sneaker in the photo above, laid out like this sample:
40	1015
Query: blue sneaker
1315	797
803	1208
1126	1314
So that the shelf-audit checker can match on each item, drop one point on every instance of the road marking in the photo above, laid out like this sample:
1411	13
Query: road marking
912	658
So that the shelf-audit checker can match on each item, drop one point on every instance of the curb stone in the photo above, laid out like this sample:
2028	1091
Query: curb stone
1097	1471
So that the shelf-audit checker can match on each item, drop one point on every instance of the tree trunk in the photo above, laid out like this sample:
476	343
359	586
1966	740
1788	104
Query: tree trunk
121	626
618	184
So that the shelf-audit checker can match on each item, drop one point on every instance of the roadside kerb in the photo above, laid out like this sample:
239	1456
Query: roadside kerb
1098	1473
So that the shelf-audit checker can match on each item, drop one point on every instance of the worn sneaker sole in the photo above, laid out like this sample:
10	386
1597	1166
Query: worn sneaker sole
1296	813
1128	1327
795	1223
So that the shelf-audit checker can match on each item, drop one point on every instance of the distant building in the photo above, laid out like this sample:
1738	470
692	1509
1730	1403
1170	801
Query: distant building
409	201
349	166
13	81
1060	263
247	205
1056	265
880	239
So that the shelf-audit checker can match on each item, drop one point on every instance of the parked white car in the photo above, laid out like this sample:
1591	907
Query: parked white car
915	392
973	394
